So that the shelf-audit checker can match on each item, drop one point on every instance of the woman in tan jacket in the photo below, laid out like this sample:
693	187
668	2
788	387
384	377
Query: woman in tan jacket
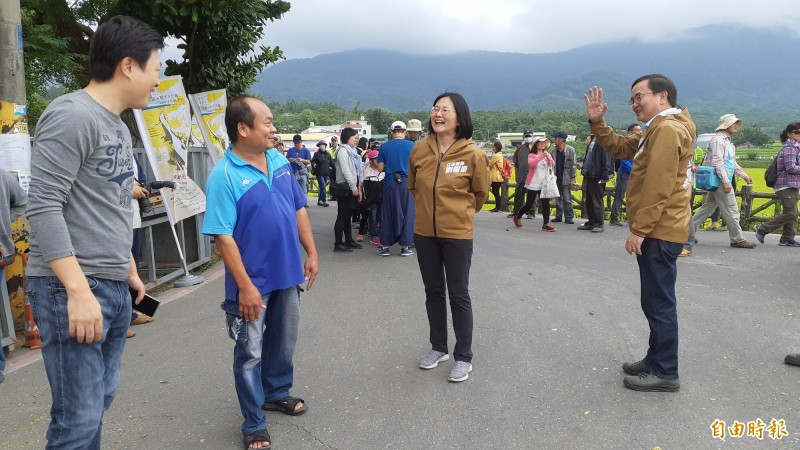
449	177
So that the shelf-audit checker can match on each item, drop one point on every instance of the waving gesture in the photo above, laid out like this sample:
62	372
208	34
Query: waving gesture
595	108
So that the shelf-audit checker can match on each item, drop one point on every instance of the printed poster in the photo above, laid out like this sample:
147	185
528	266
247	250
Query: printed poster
210	107
166	125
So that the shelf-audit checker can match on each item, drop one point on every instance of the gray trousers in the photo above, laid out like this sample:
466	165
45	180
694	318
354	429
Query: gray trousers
729	210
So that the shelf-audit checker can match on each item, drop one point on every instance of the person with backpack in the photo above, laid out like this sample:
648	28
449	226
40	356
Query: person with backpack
722	156
498	174
786	188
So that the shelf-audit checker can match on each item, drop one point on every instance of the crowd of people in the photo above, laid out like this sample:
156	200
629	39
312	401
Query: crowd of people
419	192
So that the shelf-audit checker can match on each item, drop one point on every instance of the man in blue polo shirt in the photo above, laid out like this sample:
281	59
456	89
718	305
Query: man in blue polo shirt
250	191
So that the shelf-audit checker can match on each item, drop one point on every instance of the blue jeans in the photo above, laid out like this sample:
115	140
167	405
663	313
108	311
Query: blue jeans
302	178
620	188
322	182
658	271
262	358
375	218
83	377
564	203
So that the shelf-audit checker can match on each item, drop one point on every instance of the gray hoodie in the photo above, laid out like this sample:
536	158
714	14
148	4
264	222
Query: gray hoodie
12	204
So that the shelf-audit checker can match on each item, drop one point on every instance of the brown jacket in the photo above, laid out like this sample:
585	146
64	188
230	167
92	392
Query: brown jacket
448	189
660	184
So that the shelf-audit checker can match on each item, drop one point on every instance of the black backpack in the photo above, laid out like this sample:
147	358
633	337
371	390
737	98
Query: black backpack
771	174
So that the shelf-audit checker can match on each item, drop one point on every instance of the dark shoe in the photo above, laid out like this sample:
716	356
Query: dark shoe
586	227
494	210
353	245
744	243
2	377
615	223
548	228
599	229
792	359
557	219
569	222
788	243
287	405
635	368
647	382
341	248
325	205
760	233
305	206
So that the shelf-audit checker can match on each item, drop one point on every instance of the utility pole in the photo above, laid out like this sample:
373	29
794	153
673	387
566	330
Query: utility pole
12	68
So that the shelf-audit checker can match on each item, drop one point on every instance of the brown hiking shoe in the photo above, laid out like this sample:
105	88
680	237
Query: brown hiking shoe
744	243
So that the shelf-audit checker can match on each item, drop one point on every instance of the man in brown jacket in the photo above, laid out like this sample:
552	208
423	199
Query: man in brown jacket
659	192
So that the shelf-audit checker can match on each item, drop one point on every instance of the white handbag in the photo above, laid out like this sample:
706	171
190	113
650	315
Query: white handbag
550	185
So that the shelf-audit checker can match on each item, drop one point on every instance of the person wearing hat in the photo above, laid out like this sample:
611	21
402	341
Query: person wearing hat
721	155
566	171
321	167
520	161
398	204
300	156
414	130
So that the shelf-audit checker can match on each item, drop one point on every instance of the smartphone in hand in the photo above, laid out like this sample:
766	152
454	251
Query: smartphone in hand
147	306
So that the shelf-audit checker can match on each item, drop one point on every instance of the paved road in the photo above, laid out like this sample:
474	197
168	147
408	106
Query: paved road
556	314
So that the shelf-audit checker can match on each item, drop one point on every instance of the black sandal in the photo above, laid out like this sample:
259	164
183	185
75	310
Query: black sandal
258	436
286	405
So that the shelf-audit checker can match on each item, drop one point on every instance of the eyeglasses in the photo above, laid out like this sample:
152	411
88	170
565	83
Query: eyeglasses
445	111
637	98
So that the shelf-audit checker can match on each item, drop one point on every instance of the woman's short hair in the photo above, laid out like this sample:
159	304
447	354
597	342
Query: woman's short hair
347	133
464	128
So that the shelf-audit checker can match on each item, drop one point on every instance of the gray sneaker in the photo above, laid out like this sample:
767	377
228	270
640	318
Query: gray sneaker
432	359
460	372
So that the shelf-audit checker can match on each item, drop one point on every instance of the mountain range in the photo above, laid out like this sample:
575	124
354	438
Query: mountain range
717	69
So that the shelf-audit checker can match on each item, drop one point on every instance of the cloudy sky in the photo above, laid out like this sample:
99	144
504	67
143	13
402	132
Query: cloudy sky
314	27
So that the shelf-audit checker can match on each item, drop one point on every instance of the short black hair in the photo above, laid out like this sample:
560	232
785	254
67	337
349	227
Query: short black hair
464	128
794	126
363	142
347	133
238	111
632	126
118	38
660	83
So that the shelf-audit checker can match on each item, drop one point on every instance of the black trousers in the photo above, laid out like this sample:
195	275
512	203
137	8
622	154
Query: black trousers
519	196
595	211
530	206
446	262
345	206
496	185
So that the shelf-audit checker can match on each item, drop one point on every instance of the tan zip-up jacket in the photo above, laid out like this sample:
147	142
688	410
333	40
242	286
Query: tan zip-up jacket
660	185
448	189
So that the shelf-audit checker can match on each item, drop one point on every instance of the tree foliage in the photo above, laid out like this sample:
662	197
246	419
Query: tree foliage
751	135
218	37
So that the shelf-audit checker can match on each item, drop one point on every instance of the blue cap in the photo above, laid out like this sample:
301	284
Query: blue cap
560	134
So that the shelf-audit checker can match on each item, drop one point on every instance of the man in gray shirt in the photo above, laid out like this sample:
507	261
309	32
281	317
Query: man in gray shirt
12	205
80	268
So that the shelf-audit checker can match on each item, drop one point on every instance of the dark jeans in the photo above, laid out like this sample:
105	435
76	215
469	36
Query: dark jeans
364	224
345	206
619	194
595	211
498	202
446	262
529	206
788	217
658	271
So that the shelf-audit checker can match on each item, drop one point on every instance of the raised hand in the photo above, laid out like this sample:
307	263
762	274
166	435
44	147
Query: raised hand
595	108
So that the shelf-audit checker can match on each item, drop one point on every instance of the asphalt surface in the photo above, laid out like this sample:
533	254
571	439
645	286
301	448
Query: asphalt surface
556	314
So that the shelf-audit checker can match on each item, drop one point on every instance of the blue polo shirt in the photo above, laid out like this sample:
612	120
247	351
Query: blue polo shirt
259	211
394	154
303	153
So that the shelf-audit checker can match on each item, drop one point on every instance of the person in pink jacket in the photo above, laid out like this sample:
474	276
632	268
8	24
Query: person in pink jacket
539	163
